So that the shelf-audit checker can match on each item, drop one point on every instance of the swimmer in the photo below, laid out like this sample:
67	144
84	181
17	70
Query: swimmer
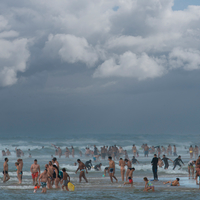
148	185
98	167
82	169
134	160
55	162
122	169
43	178
50	176
130	177
112	169
191	164
191	150
6	176
134	149
88	164
51	171
197	175
165	159
56	176
173	183
35	170
177	161
66	179
20	161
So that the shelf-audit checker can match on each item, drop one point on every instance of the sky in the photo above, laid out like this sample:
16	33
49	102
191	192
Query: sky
106	66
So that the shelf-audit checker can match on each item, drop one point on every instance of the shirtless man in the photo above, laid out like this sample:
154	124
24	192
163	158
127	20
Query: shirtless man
128	164
72	151
198	162
191	165
82	169
197	177
191	150
146	150
67	152
35	170
130	177
43	178
6	176
59	152
20	161
112	169
134	149
122	169
175	153
173	183
196	151
50	171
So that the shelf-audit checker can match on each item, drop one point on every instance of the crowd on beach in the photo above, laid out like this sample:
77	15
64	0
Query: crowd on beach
54	175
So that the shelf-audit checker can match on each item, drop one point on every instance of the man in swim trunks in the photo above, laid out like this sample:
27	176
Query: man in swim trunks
122	169
112	169
148	185
146	150
134	149
50	171
50	176
191	164
177	161
173	183
6	176
82	169
35	170
175	153
165	159
198	162
43	178
65	179
129	166
196	151
130	177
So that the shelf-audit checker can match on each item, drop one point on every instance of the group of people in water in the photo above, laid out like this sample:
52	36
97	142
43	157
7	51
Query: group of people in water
53	175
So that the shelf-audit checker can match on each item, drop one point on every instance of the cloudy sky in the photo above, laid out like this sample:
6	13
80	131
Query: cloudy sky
99	66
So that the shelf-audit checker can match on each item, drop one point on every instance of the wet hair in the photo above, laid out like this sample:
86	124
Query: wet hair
179	156
126	159
63	169
16	163
78	160
56	167
155	155
163	155
121	159
54	159
145	179
110	157
133	156
6	159
177	179
35	160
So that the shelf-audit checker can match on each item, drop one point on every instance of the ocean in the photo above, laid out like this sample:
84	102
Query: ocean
98	187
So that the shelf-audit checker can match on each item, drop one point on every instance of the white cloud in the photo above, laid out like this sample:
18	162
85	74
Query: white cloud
13	55
131	65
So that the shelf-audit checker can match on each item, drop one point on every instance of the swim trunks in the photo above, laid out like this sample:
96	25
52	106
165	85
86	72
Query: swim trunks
43	184
146	152
35	175
6	172
130	180
65	182
111	170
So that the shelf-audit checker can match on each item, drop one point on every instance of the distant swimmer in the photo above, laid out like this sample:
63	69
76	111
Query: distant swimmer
43	178
67	152
129	166
130	177
191	164
82	169
88	164
191	151
18	172
112	169
146	150
196	151
98	167
165	159
174	152
173	183
66	179
72	151
134	160
35	170
154	164
160	162
6	176
177	161
148	185
122	169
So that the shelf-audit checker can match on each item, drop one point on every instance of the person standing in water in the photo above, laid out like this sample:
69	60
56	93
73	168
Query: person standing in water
6	176
18	172
134	149
112	169
191	164
154	164
130	177
129	165
35	170
20	161
191	150
82	169
196	151
43	178
175	153
165	159
122	169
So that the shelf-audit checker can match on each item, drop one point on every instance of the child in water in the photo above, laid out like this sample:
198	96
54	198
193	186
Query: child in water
173	183
148	185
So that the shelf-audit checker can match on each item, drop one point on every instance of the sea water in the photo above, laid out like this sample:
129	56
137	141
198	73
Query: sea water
98	187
